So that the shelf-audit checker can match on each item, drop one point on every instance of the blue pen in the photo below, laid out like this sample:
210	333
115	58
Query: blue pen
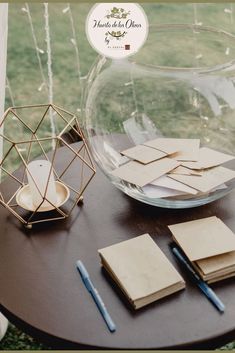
95	295
209	293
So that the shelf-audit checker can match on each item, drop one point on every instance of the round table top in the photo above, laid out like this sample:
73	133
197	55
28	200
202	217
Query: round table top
42	291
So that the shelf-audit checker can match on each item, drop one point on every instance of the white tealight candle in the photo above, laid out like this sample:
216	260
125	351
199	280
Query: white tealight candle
41	183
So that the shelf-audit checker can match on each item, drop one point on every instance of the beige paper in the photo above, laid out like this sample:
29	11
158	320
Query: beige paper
203	238
140	268
158	192
229	275
143	154
217	263
185	149
167	182
208	180
185	171
140	174
208	158
215	276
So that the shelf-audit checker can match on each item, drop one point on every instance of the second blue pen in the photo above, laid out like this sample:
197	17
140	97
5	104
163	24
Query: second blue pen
209	293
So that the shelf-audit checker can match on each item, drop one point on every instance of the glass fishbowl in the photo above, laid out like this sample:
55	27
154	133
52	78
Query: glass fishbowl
181	84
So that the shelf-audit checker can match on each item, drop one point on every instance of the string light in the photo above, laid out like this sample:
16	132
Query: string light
196	22
196	96
48	85
40	50
199	56
74	41
128	83
66	9
26	9
8	86
41	87
49	69
229	11
133	92
231	16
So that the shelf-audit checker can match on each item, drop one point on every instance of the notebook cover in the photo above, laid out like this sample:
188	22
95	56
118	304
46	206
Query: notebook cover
216	263
140	268
203	238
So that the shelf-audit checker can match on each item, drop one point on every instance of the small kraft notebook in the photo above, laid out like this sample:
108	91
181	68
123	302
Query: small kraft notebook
141	270
210	246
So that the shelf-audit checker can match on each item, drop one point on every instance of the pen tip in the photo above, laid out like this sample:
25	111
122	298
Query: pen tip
222	308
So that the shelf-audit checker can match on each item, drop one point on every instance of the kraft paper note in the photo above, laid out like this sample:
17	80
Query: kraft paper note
143	154
203	238
165	181
184	149
217	263
208	158
141	270
185	171
140	174
208	180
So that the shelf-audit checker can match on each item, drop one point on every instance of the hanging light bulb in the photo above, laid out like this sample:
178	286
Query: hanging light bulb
41	86
226	10
66	9
72	40
128	83
134	113
40	50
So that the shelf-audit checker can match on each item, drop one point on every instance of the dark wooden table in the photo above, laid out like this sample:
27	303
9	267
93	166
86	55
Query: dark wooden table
41	291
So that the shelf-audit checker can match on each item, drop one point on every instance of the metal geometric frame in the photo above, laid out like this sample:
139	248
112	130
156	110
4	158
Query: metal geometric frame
80	152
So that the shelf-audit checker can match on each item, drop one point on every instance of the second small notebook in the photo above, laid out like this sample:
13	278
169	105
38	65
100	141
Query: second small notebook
141	270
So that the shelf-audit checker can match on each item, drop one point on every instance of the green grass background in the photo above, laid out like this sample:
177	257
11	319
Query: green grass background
25	78
22	68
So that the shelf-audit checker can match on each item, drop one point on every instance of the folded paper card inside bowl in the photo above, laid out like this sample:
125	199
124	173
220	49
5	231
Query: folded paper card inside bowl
175	169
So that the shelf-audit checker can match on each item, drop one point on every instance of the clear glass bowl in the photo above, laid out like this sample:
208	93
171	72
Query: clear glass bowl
180	84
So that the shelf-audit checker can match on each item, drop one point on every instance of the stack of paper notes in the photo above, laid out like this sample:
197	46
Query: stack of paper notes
172	167
210	246
141	270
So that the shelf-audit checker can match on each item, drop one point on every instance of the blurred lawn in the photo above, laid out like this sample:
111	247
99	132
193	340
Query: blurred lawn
23	71
25	78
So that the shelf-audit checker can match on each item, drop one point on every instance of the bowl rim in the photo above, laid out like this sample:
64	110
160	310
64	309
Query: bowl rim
197	28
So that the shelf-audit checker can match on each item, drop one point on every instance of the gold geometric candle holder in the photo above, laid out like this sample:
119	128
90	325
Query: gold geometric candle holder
44	172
